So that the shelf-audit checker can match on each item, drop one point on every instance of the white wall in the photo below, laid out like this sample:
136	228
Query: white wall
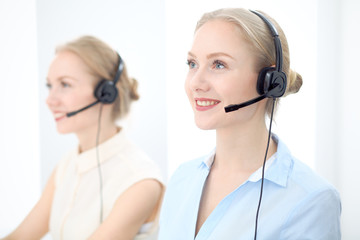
136	30
338	112
328	93
348	160
19	142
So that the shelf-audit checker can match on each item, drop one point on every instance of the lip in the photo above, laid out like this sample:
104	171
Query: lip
58	116
208	107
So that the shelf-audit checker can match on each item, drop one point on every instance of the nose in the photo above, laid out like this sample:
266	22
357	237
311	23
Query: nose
52	99
198	81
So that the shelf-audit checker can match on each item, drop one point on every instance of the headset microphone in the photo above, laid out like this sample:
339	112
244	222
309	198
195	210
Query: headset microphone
234	107
275	88
70	114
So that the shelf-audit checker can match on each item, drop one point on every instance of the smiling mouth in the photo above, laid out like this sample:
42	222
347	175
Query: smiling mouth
58	116
206	103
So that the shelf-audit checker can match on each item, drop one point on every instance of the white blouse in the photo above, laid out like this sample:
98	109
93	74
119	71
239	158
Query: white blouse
75	212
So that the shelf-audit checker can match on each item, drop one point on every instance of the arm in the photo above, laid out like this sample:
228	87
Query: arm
317	217
36	224
137	205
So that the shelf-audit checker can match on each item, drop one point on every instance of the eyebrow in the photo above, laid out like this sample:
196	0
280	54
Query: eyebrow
212	55
62	77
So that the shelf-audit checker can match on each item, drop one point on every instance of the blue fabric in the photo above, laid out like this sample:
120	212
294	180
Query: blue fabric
296	204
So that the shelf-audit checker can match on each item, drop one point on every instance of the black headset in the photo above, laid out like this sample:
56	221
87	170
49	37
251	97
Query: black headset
271	82
105	91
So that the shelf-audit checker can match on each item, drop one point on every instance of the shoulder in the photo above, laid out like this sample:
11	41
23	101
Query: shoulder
314	191
183	186
308	180
184	180
314	204
135	159
316	207
186	170
130	165
63	165
297	175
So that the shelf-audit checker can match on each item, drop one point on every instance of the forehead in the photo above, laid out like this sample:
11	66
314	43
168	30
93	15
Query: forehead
67	63
69	60
219	36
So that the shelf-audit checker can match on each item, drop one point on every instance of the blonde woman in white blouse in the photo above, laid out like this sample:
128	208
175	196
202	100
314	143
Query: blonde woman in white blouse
75	203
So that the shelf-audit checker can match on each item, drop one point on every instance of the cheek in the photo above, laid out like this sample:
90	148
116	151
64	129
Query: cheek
188	88
241	89
80	99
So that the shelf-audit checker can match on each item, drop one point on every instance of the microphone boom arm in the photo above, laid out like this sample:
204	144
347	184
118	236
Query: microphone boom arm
70	114
234	107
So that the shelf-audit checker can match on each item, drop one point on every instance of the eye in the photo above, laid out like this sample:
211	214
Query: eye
191	63
218	64
48	86
65	84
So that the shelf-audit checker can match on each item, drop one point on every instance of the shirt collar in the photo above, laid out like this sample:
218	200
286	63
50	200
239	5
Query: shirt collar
256	176
282	166
277	167
209	159
88	160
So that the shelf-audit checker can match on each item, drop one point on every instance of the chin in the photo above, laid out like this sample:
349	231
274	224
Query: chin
204	126
62	130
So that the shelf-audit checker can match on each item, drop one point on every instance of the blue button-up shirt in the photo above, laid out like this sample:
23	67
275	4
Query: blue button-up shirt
296	204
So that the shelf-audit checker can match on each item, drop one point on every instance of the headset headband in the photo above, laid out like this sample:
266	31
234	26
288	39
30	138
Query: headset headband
119	70
275	34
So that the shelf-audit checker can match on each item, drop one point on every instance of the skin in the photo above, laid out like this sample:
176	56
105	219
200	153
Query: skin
221	70
71	88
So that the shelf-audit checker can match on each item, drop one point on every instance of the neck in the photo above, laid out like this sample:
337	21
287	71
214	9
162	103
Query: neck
88	137
242	148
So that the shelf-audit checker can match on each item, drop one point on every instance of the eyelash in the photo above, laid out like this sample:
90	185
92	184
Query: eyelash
218	62
63	84
189	62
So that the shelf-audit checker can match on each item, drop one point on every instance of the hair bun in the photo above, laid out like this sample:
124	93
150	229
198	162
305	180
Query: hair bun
294	82
134	89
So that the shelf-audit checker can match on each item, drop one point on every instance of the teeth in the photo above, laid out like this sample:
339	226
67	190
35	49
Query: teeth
57	115
206	103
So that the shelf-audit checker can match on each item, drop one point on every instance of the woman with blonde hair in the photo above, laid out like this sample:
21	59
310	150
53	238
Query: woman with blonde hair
106	188
249	186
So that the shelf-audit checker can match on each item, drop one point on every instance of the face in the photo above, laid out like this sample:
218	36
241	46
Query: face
221	72
71	87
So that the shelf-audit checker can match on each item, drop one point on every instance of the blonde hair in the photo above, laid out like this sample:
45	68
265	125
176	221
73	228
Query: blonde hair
257	34
103	62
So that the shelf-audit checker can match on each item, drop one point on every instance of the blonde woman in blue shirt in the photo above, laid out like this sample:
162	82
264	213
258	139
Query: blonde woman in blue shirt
218	196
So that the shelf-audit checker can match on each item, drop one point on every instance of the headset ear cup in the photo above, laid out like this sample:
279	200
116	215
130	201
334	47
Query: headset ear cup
271	82
264	80
278	84
106	92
